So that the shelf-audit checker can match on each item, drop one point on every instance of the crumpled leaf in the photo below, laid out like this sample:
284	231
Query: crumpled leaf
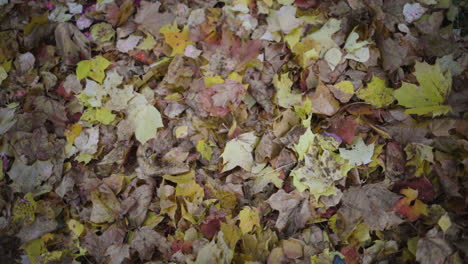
267	148
105	206
87	140
359	154
97	246
372	202
356	50
376	93
284	97
142	196
238	152
217	251
430	95
71	43
248	217
433	248
146	239
447	63
420	156
286	204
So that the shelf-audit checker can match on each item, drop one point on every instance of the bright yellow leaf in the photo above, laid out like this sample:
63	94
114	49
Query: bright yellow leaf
178	41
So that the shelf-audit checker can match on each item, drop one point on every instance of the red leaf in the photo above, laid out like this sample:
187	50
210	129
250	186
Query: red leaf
395	159
63	92
245	52
351	255
409	206
422	185
185	247
212	224
344	128
216	99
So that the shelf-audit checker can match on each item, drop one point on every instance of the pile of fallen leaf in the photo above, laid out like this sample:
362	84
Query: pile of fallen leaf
236	131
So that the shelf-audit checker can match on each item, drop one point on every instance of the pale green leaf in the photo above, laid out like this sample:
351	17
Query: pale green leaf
444	222
305	141
356	50
359	154
148	43
333	57
238	152
264	177
284	96
323	36
148	120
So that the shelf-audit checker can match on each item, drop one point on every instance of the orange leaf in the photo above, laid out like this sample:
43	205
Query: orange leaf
409	206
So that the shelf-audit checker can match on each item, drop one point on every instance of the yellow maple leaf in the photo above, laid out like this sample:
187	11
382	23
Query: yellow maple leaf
248	219
178	41
72	132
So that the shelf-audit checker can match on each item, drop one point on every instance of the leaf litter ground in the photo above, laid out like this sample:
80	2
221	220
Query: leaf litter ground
243	131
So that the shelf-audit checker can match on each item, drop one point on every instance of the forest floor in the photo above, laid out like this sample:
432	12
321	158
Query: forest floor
242	131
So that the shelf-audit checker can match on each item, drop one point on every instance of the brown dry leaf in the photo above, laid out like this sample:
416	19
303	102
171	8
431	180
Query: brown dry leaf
374	203
118	253
323	102
71	43
433	248
293	209
97	245
150	19
146	239
143	196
